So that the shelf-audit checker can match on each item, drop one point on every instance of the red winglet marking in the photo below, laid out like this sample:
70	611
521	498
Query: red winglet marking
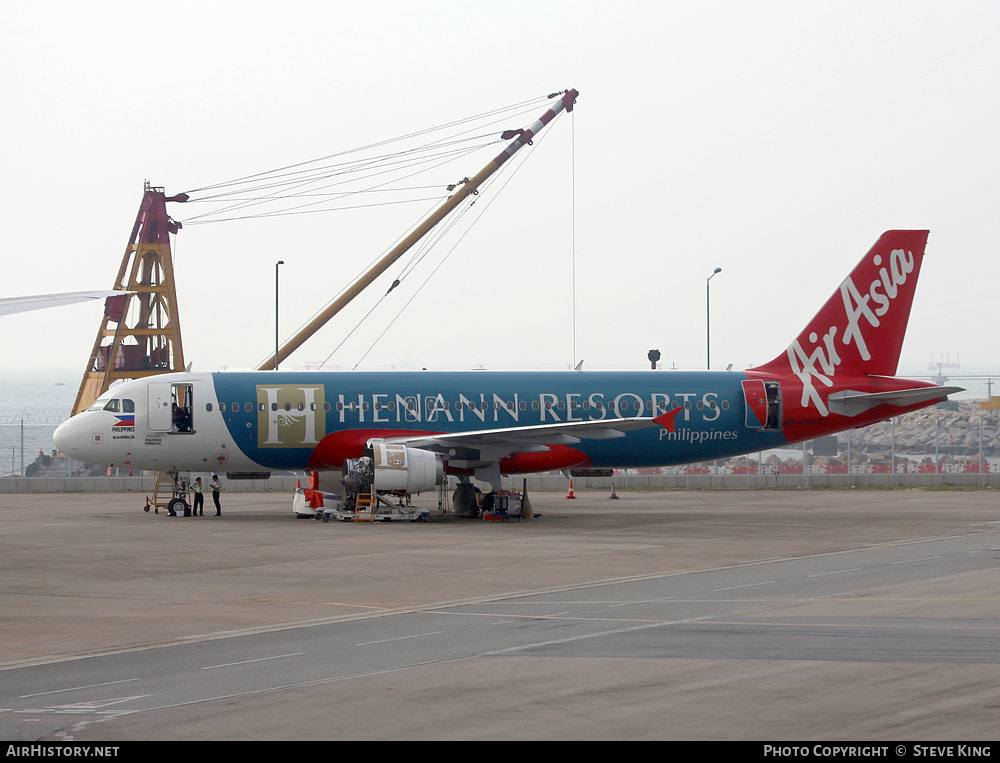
666	420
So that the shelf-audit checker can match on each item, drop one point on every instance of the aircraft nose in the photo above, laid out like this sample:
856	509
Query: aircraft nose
66	437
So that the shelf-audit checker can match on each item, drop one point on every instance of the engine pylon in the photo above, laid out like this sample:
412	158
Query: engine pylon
140	333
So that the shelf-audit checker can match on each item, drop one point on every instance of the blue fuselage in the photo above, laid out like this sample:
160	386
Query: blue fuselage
278	419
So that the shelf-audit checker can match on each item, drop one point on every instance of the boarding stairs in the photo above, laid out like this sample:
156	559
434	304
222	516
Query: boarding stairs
364	508
163	492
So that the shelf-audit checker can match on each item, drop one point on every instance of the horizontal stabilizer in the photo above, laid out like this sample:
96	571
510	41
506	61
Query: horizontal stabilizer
851	403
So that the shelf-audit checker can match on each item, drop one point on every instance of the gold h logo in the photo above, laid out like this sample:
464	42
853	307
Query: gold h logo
290	415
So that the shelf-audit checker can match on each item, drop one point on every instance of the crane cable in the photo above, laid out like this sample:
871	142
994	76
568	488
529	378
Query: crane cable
415	259
444	259
448	157
418	133
302	179
451	223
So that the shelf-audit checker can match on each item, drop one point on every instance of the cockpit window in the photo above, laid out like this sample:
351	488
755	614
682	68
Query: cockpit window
115	405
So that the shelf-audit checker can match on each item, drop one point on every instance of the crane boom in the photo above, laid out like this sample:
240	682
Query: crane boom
521	139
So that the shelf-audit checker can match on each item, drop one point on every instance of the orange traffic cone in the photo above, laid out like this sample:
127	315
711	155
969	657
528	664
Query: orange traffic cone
570	493
614	495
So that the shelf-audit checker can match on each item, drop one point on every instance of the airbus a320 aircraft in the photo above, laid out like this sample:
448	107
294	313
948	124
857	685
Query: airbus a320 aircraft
415	427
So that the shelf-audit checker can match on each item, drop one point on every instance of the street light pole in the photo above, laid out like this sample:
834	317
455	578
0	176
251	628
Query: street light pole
279	262
708	320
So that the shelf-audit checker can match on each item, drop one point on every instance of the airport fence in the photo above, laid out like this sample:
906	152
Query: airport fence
137	484
621	482
953	445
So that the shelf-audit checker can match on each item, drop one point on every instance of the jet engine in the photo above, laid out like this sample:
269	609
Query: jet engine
392	467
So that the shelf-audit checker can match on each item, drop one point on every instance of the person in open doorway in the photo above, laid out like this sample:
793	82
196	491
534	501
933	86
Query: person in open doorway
216	487
199	499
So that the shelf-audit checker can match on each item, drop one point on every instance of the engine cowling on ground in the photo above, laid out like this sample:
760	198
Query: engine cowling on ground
399	467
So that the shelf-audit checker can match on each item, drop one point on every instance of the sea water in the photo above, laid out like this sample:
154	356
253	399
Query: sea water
38	400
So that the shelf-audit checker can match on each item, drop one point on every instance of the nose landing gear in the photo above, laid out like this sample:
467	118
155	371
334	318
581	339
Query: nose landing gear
179	504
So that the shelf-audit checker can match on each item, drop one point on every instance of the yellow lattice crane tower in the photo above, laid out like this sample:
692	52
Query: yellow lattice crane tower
140	333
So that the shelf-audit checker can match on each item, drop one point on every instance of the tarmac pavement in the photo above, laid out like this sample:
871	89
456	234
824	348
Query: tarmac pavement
764	614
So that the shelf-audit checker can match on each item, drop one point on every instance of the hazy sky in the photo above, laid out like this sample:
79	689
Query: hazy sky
776	140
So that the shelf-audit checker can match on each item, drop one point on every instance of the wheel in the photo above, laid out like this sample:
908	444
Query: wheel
176	506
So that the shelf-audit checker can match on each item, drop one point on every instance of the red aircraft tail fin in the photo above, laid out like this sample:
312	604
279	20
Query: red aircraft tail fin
861	326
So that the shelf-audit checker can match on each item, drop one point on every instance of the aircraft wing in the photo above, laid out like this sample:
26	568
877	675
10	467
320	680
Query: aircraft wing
10	305
494	444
